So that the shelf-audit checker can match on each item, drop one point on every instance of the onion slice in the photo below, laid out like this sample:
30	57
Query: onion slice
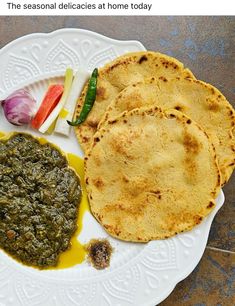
19	108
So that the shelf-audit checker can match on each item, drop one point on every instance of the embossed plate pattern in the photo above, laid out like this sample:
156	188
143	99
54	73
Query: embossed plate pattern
140	274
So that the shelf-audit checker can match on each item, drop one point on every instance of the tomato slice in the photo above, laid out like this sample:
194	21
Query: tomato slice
49	102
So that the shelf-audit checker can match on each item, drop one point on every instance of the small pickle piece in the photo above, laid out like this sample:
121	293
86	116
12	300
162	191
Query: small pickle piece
99	253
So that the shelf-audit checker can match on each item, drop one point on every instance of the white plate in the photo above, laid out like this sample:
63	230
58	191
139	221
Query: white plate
140	274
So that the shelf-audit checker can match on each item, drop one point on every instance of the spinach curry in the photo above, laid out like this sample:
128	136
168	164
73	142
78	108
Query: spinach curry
39	200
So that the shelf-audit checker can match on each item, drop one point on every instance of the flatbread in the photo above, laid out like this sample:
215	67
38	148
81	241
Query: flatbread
151	174
118	74
200	101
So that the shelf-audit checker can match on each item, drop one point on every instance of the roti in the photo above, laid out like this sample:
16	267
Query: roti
117	75
151	174
200	101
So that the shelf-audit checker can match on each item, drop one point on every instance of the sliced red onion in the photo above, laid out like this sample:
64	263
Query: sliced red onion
20	107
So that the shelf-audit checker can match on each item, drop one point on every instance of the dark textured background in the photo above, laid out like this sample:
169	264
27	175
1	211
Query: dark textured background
207	46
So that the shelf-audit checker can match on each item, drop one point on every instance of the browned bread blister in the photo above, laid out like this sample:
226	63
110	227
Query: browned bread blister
151	174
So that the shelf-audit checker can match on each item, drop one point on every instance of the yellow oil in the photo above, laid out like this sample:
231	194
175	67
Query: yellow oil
76	253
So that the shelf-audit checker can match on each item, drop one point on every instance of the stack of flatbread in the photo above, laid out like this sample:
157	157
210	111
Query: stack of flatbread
158	145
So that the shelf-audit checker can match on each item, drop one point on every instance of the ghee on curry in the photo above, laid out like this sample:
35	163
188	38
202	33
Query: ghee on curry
75	253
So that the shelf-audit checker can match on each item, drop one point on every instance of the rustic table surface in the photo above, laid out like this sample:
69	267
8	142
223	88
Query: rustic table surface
207	46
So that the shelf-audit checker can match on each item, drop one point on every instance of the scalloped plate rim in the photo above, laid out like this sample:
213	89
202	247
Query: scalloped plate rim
191	268
209	219
64	31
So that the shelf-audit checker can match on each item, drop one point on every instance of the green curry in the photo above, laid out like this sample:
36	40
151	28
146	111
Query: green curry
39	200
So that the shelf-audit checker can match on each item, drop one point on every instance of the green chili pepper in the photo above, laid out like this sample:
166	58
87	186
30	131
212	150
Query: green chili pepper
89	99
